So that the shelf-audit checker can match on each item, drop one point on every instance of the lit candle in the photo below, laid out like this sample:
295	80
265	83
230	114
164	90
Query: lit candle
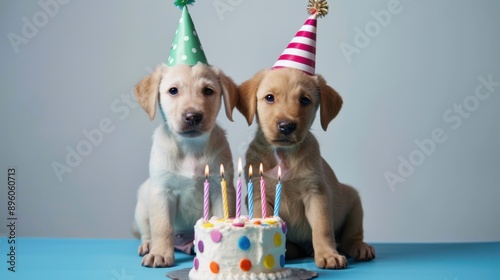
238	190
206	201
250	193
224	193
277	199
262	192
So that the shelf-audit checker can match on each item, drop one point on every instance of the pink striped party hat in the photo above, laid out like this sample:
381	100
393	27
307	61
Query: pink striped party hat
301	51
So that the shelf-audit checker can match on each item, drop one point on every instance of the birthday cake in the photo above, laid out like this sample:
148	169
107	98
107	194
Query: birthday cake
240	248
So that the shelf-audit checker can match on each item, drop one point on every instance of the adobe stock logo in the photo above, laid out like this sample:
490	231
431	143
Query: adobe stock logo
121	107
31	27
373	28
224	6
454	118
121	275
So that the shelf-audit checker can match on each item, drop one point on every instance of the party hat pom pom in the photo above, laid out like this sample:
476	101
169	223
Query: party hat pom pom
318	8
182	3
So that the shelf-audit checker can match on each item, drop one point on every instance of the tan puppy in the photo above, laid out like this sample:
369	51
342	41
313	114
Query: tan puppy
171	201
317	208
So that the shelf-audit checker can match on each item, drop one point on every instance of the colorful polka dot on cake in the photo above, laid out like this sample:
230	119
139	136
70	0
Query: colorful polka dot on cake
214	267
244	243
270	221
245	265
196	263
216	236
208	225
269	261
201	246
277	239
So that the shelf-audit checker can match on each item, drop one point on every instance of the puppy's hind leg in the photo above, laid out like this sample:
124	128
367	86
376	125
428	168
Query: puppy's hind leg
351	239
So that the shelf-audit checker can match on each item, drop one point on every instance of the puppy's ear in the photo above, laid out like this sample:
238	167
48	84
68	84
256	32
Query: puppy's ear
330	102
248	96
229	93
146	91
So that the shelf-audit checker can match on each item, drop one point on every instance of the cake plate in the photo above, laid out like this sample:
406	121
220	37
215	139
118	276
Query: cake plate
297	274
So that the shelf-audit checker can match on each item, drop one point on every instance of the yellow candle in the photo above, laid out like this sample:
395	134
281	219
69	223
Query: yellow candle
224	193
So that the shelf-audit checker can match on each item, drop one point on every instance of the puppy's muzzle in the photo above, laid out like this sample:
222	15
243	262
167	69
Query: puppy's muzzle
192	124
286	128
193	118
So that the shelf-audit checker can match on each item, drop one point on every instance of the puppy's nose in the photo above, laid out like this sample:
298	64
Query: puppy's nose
193	118
287	127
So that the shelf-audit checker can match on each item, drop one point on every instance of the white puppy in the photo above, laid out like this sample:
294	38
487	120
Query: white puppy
171	200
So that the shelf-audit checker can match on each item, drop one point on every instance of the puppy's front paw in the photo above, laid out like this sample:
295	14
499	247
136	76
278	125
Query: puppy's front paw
361	251
330	260
144	248
157	260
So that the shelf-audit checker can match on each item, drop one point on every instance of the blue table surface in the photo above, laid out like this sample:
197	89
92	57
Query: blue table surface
117	259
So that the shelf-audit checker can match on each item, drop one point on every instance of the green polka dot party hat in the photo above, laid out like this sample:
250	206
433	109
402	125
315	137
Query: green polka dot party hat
186	48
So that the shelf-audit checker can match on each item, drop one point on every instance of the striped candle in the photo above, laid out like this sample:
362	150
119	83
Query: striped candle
262	192
277	198
206	201
250	193
224	193
238	191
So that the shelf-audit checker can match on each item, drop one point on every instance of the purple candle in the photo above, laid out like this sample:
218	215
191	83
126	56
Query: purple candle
238	190
262	192
206	201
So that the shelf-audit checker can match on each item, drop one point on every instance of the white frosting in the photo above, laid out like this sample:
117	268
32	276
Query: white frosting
240	249
282	274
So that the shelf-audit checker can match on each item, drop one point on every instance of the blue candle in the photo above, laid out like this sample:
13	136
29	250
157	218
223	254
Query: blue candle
277	198
250	193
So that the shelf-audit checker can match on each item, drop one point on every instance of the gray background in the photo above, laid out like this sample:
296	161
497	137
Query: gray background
79	67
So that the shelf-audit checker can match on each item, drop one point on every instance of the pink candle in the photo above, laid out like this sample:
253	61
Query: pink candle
262	192
238	190
206	201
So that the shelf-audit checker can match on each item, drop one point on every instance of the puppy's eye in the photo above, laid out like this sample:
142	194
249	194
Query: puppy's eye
270	98
304	101
208	91
173	91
